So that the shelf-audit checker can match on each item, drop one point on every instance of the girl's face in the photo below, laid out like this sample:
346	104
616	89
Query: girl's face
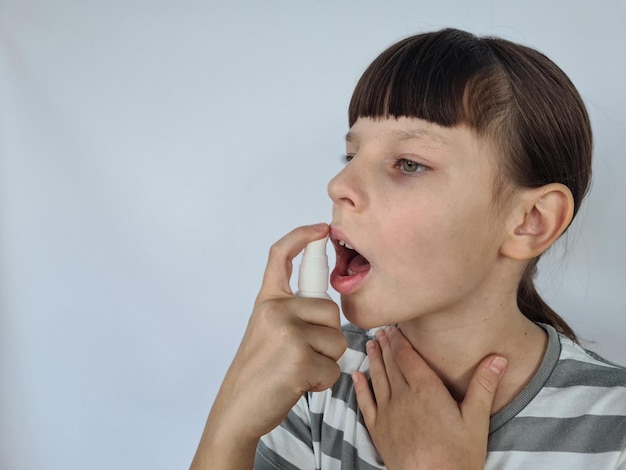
415	201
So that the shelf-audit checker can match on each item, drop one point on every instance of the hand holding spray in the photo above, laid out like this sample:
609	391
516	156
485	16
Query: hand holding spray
313	276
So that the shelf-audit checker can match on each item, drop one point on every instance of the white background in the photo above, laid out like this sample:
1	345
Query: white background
150	153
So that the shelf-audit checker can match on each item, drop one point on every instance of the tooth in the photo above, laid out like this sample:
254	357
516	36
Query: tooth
343	243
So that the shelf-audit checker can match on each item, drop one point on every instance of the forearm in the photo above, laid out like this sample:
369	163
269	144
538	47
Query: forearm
219	451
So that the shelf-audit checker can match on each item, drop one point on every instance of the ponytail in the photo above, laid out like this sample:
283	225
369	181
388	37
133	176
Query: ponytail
535	308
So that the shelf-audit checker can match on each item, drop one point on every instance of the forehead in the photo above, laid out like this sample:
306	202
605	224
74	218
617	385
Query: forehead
391	130
459	144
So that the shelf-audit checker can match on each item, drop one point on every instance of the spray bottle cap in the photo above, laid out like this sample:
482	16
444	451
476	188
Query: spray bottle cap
313	278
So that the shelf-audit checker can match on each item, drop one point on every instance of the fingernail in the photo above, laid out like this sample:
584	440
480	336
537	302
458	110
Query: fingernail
498	365
320	227
370	346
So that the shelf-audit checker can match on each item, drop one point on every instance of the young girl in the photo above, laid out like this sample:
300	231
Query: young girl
467	159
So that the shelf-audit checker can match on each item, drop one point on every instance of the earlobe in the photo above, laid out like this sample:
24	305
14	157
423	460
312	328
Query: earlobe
543	215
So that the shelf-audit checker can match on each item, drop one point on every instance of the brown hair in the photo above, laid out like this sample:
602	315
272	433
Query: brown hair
509	93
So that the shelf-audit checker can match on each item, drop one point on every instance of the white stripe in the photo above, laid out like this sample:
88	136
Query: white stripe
621	463
367	451
350	359
511	460
575	352
330	463
290	448
576	401
301	410
339	416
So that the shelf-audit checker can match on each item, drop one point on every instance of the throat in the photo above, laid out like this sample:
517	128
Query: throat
455	356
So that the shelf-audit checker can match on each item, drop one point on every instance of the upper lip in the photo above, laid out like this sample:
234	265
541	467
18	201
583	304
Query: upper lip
337	235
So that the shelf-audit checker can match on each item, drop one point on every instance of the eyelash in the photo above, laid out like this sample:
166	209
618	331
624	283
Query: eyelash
419	168
399	163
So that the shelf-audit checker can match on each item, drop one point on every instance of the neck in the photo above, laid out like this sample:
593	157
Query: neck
453	349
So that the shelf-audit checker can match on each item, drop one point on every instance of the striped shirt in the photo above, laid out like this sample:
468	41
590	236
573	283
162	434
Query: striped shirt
572	415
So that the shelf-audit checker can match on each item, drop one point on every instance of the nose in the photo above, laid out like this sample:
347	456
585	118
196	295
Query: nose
346	188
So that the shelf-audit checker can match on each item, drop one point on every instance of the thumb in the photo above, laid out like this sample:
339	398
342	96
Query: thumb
279	263
476	407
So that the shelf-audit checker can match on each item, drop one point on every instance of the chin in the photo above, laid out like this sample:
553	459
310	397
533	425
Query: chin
364	317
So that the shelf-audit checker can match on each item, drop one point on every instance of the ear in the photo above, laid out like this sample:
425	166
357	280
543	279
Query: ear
540	216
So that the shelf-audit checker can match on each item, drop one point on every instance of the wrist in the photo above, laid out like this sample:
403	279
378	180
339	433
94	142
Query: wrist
220	451
224	446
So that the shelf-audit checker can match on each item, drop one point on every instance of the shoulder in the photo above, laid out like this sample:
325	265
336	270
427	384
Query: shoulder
580	367
572	414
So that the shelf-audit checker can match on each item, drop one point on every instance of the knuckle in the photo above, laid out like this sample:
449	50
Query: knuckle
487	384
268	310
342	345
272	316
325	376
276	250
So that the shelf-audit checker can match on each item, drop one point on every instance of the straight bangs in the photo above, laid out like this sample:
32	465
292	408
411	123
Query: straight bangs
425	76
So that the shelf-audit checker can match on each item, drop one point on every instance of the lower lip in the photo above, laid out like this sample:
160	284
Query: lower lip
347	285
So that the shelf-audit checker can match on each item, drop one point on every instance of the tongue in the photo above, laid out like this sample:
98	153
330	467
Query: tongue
358	264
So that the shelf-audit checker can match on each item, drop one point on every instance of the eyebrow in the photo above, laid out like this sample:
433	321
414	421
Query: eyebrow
408	134
350	137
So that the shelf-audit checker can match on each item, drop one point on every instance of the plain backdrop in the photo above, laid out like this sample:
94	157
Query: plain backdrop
152	151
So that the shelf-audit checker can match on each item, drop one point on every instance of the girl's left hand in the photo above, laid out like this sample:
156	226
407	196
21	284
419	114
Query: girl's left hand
412	418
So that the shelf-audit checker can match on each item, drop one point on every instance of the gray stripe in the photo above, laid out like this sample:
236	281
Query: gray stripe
267	459
344	390
549	363
356	337
584	434
599	358
570	373
334	446
319	427
298	428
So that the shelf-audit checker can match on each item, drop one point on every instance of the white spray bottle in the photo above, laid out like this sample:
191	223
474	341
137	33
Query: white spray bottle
313	276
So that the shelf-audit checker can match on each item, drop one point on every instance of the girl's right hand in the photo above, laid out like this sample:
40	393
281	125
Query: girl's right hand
291	346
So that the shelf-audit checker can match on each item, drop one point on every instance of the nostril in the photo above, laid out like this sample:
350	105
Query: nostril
348	201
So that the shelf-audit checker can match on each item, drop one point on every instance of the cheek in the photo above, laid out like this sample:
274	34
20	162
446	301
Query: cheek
433	243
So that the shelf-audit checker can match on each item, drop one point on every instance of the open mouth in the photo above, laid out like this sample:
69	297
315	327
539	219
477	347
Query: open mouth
351	267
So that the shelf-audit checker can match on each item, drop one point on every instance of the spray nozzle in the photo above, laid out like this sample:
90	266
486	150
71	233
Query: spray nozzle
313	277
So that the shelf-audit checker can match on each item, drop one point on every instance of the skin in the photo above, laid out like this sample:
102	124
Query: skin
290	346
445	264
416	200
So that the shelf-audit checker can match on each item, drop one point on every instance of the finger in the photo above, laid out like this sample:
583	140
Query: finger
396	376
378	373
327	341
320	373
414	369
279	263
476	406
365	399
323	312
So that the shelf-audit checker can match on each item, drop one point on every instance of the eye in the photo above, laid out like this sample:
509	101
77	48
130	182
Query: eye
348	158
410	167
